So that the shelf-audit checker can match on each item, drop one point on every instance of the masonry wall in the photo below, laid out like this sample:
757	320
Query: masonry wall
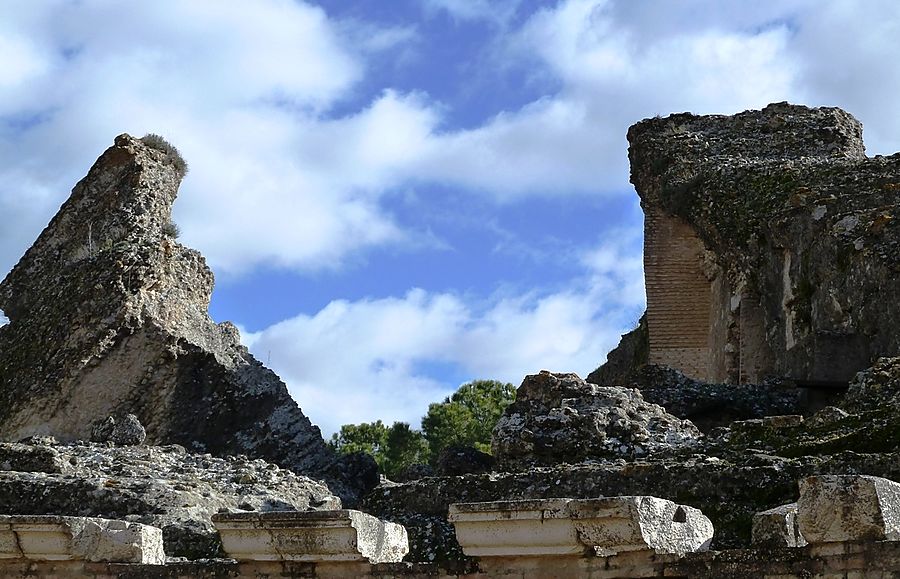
829	560
679	296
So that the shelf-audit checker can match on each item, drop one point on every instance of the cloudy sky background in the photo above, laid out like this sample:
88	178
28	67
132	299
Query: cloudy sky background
401	196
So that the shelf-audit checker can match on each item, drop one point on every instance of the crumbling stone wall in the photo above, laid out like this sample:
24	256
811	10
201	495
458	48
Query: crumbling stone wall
108	316
771	244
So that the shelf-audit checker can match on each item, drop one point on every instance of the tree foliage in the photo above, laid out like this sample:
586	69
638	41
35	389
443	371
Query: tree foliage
468	416
393	447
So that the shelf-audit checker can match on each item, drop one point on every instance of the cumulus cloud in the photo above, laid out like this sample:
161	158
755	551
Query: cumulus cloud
244	94
279	180
365	360
607	64
845	49
609	75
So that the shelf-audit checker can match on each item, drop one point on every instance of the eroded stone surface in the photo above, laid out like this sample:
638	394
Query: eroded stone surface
166	487
108	316
777	528
705	404
128	430
793	244
561	418
341	535
835	508
57	538
570	527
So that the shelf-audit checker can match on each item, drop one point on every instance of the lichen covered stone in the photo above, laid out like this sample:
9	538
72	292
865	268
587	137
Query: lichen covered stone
561	418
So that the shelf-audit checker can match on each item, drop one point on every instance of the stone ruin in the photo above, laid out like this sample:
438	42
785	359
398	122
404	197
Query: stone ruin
108	317
748	427
767	237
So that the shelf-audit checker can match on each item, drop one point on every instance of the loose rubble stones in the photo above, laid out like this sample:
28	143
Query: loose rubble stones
166	487
108	316
706	405
128	431
561	418
102	430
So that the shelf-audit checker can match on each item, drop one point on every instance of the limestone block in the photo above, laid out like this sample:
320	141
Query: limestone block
318	536
608	525
56	538
777	528
848	508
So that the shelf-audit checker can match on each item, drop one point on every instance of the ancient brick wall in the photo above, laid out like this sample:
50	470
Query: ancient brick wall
679	296
697	322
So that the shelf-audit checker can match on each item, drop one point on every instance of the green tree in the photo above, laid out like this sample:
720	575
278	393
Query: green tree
368	437
393	448
404	447
468	416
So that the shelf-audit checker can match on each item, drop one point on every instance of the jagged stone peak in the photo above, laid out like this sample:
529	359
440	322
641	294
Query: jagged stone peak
124	201
109	317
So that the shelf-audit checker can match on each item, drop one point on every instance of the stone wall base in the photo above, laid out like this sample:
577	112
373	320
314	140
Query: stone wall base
823	561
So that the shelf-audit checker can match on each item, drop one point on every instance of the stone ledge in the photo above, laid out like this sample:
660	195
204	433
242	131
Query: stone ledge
315	536
573	527
57	538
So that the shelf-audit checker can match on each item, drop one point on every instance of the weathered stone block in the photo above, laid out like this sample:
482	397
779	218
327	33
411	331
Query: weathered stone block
342	535
777	528
56	538
558	417
607	525
848	508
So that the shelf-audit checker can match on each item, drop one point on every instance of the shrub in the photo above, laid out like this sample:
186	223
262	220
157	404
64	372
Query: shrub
171	229
172	155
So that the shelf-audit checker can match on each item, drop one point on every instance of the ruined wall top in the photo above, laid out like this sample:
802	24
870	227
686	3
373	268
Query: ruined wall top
781	131
125	201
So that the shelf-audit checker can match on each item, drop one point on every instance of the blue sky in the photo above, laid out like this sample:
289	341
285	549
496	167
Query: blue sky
399	196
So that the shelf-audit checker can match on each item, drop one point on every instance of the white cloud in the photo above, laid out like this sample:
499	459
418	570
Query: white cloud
242	93
847	51
3	319
366	360
608	77
277	181
614	63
